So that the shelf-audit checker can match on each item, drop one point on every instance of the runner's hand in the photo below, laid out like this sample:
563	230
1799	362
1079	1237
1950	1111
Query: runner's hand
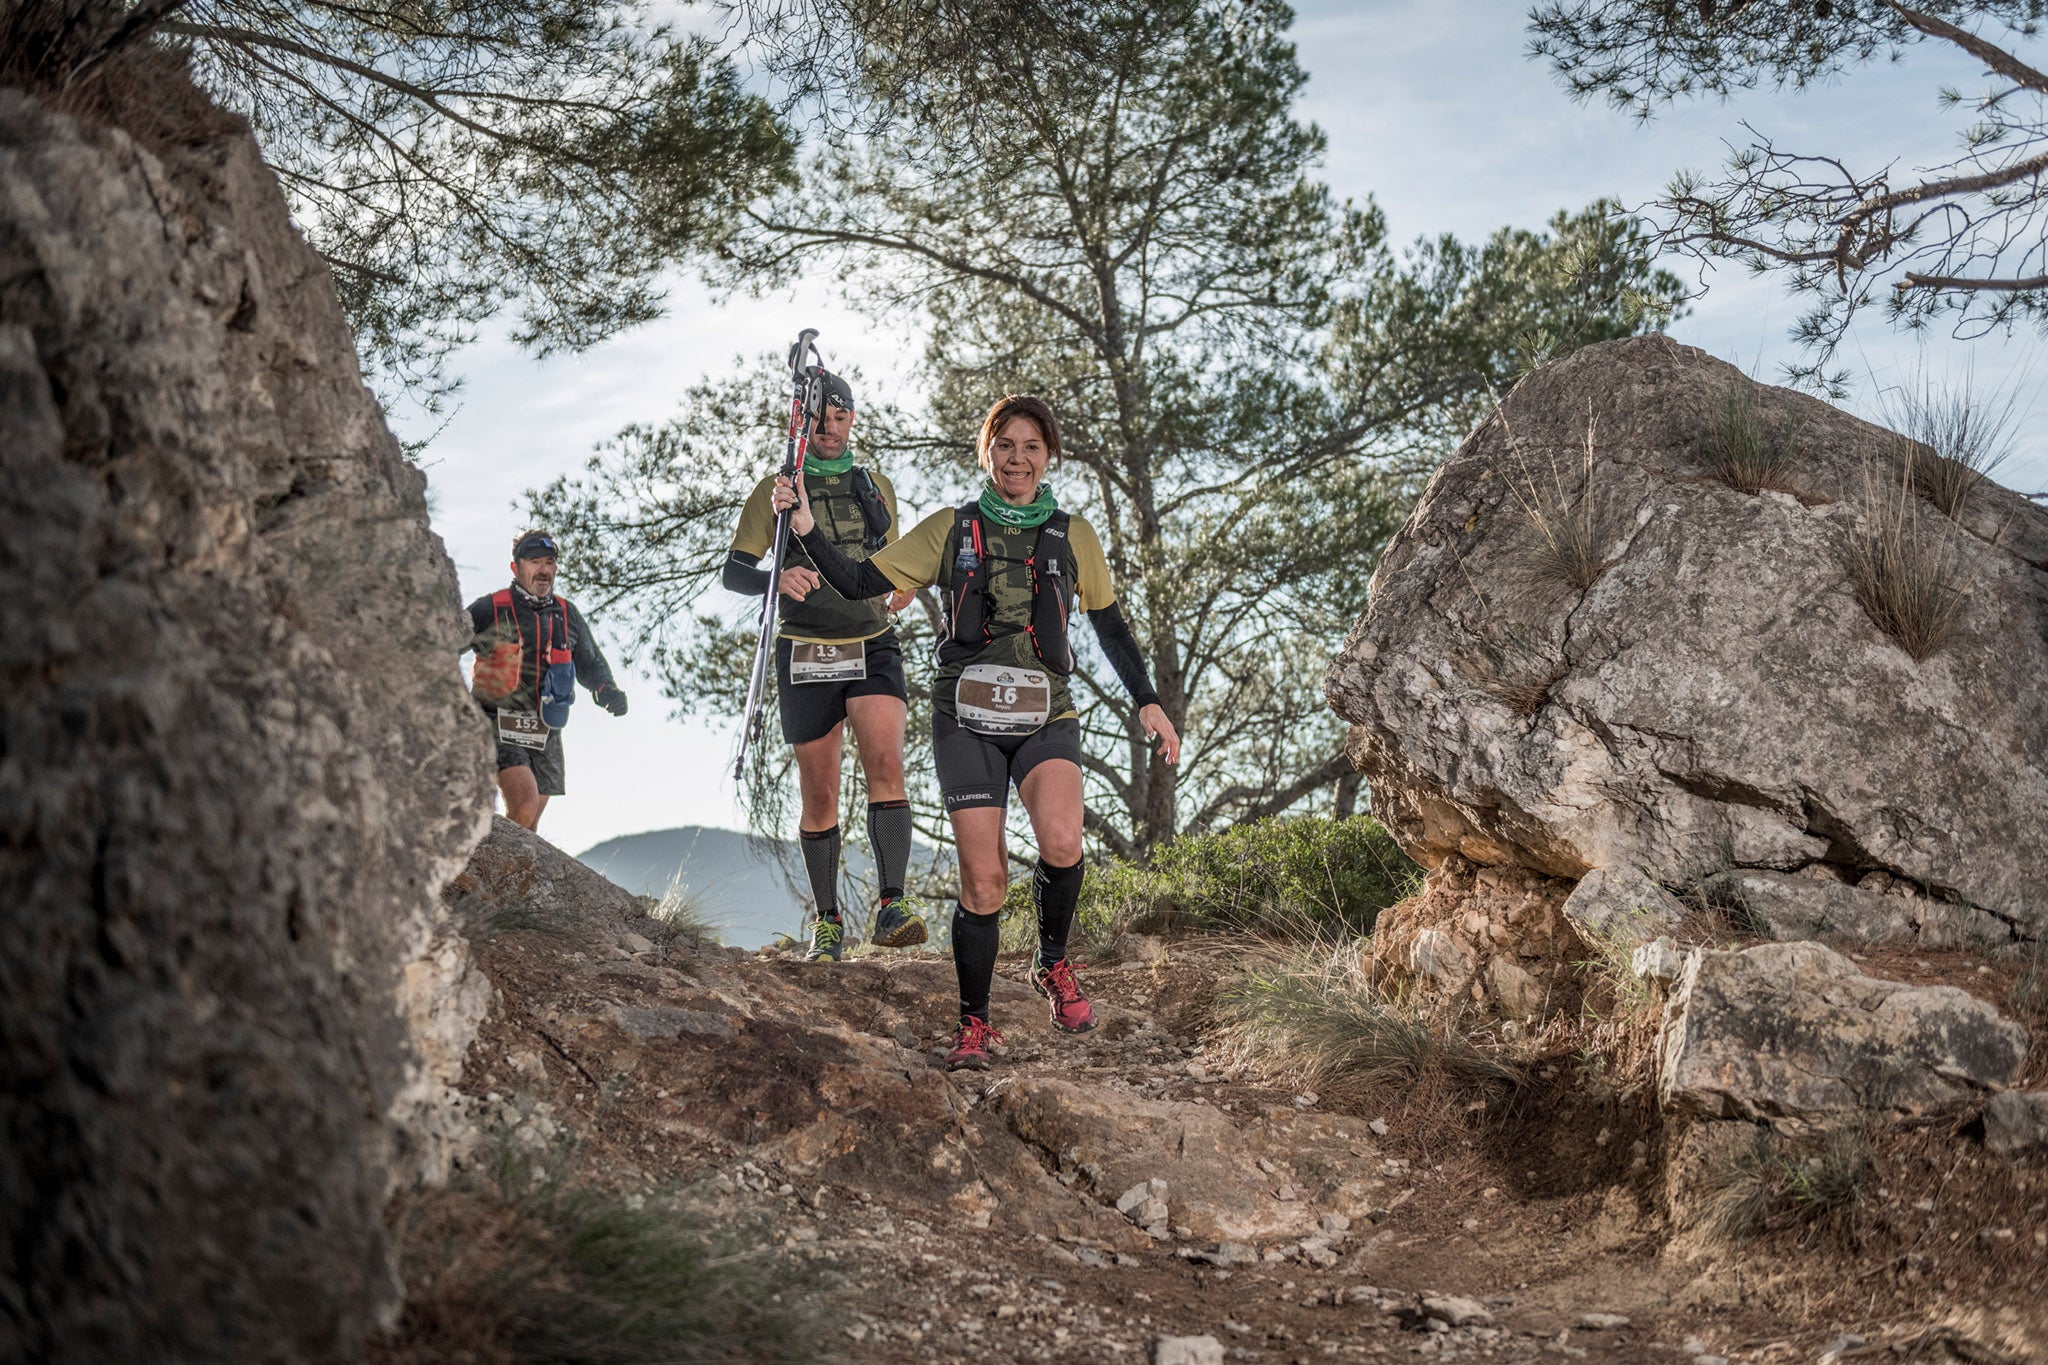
1158	727
799	583
612	699
901	599
800	521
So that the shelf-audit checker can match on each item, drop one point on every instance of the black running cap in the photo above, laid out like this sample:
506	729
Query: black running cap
535	546
834	391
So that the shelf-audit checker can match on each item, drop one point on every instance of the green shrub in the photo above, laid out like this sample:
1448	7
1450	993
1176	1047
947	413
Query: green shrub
1308	872
1300	877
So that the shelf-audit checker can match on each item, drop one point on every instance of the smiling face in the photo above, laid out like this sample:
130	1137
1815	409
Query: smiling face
831	432
1016	459
536	576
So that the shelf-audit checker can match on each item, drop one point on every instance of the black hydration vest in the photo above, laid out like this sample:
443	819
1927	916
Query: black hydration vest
874	513
970	592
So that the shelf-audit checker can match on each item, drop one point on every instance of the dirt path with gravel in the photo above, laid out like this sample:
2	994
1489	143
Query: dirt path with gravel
1086	1196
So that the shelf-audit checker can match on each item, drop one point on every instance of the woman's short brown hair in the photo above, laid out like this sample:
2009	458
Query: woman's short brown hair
1019	405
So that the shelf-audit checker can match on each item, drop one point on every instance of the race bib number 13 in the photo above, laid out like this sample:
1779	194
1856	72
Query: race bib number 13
996	699
810	663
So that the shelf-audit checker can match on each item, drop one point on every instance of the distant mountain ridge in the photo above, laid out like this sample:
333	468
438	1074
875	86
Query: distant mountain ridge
750	893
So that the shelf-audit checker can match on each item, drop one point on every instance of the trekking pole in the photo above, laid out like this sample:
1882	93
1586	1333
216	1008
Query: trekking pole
805	364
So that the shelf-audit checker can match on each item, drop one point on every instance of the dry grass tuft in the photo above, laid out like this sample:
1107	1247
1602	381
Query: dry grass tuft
1612	969
1962	439
1907	572
519	1265
1515	669
1772	1186
1312	1017
1743	449
1572	531
685	912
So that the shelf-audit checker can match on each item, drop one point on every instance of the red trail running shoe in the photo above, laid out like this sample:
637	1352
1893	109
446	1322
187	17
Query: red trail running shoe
970	1045
1071	1011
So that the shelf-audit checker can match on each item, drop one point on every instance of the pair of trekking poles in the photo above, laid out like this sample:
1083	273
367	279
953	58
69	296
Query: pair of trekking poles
807	370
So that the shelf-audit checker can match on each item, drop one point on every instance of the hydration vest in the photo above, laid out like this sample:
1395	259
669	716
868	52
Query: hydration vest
969	596
554	665
874	513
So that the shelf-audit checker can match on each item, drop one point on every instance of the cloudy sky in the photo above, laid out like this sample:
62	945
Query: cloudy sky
1431	108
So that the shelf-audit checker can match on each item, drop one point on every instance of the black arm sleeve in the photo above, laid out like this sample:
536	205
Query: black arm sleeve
1122	648
853	579
480	615
591	669
744	576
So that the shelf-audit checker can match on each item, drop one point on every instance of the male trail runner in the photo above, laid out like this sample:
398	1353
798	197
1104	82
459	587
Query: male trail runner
837	661
531	647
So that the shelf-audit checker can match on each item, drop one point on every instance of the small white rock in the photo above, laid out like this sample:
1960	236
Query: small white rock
634	943
1201	1350
1457	1311
1379	1127
1602	1322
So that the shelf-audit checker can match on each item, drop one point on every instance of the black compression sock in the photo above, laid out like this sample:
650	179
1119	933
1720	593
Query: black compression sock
1056	891
975	941
889	837
821	861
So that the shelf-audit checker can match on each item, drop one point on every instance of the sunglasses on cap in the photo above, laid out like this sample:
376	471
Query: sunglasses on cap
534	547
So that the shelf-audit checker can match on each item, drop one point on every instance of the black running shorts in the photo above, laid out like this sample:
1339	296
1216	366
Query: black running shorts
810	710
978	770
548	769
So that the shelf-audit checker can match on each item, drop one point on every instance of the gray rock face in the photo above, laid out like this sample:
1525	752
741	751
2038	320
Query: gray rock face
2016	1121
1620	903
1793	1030
1716	697
237	767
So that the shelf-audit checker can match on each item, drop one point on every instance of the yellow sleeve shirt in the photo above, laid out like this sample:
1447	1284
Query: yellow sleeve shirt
915	561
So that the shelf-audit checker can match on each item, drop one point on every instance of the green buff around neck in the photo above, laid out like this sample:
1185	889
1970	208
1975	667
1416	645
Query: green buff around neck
1031	514
818	464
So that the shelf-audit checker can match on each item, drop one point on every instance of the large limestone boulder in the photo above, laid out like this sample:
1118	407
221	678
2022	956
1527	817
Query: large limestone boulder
1794	1030
238	763
1715	699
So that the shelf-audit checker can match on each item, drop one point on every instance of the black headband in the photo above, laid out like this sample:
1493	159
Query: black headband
535	546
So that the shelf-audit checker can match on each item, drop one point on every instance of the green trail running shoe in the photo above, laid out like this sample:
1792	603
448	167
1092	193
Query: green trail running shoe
825	937
898	925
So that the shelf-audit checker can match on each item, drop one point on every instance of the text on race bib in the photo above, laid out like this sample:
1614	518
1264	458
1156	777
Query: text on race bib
809	663
523	728
998	699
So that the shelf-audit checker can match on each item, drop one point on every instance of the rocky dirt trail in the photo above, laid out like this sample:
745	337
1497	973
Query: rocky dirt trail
1085	1197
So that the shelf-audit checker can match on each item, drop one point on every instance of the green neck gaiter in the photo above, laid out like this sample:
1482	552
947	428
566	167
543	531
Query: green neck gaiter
1031	514
818	464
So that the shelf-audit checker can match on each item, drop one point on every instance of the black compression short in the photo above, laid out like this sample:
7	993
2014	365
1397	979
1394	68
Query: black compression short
979	770
810	710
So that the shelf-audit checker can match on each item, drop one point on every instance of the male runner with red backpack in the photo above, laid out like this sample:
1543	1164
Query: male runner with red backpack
532	647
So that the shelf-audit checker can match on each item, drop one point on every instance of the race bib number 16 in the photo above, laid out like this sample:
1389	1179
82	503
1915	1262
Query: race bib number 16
997	699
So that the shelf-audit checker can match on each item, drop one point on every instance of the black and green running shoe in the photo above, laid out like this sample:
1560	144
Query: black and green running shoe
826	935
898	925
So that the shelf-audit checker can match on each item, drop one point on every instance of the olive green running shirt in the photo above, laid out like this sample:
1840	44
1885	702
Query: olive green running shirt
919	560
823	617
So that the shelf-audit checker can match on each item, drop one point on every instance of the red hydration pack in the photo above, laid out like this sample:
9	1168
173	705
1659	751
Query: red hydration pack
499	673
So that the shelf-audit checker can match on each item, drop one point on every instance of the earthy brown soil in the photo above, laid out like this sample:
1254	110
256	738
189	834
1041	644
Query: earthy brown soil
811	1100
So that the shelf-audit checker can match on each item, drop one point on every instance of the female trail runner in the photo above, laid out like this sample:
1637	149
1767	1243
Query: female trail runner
1011	567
